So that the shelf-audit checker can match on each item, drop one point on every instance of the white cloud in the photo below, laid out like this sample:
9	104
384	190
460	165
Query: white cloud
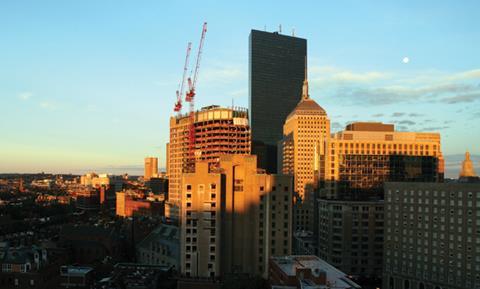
48	105
25	95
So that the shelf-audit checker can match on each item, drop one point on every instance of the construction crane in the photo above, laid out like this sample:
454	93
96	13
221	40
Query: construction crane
189	97
178	104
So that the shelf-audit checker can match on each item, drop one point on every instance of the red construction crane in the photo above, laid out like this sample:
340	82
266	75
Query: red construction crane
189	97
178	104
192	83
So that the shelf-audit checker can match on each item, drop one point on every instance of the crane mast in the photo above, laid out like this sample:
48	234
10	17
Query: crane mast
189	97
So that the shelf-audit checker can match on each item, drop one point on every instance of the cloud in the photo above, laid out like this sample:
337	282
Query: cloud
398	114
378	115
25	95
328	74
221	74
48	105
413	114
337	126
385	88
464	98
435	128
407	122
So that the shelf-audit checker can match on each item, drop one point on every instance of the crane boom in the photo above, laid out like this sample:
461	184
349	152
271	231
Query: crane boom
192	83
178	104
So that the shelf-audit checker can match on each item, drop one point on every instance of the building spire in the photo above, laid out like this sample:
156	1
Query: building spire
305	83
467	167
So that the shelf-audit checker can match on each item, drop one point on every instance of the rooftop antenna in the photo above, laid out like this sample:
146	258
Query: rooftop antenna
265	28
293	31
280	28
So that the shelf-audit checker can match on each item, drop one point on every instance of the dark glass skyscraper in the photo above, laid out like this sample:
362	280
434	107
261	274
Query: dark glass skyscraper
276	74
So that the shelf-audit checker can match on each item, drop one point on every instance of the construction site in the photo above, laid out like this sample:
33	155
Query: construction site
203	134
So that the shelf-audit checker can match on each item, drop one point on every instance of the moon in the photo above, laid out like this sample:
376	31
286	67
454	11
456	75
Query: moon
406	60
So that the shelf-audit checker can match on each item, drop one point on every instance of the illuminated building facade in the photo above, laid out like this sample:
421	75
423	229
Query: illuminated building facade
234	218
218	131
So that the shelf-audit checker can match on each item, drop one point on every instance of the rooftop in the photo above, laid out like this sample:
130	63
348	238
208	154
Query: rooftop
334	277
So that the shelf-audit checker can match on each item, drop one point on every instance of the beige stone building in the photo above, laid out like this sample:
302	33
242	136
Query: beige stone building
306	128
234	218
359	159
218	131
151	168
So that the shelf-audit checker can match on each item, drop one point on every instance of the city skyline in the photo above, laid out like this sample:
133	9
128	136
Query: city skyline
97	91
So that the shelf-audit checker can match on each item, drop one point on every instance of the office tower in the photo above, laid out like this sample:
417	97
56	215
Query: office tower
307	271
234	217
357	163
276	74
350	235
468	170
431	235
151	168
362	157
306	128
218	131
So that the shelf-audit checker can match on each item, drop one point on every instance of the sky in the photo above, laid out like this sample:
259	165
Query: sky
90	85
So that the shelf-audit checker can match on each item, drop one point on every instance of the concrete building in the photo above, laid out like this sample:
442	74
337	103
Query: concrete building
151	168
432	238
218	131
306	271
305	129
129	203
161	247
235	218
350	235
276	74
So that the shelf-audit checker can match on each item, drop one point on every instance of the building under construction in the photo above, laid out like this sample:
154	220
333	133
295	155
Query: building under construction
217	131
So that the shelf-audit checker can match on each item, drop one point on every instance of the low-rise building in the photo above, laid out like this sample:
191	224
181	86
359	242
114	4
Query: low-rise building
306	271
161	247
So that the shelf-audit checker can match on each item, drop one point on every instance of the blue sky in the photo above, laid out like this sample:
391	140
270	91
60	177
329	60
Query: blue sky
90	85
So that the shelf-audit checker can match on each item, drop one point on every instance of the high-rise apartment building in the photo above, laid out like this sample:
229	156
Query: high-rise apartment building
350	235
218	131
432	236
234	217
151	168
306	128
276	74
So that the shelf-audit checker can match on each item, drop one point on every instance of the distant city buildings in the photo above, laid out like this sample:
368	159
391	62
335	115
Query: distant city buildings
432	235
306	271
276	73
132	202
235	217
151	168
218	131
467	170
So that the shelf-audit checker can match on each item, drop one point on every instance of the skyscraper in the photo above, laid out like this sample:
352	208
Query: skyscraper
151	168
234	218
276	74
218	131
306	127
